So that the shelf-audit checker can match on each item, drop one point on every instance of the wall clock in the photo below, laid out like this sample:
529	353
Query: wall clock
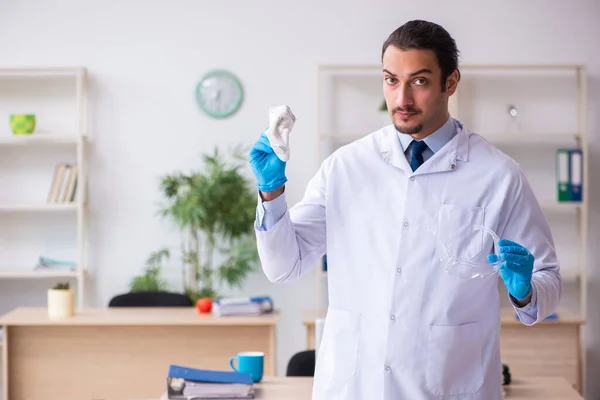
219	94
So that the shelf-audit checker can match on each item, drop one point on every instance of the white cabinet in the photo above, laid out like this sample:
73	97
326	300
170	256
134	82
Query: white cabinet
31	225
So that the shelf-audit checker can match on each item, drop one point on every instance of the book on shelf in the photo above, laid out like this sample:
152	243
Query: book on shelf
44	263
192	383
64	184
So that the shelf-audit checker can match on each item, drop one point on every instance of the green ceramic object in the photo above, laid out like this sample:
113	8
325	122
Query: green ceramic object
22	124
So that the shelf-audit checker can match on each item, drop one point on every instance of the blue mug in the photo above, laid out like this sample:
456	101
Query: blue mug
251	362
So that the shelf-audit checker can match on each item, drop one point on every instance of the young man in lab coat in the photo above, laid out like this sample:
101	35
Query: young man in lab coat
399	326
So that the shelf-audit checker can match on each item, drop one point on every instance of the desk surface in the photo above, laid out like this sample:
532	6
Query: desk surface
26	316
277	388
541	388
507	316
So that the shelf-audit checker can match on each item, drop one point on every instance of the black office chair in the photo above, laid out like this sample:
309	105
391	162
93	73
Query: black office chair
506	376
302	364
151	299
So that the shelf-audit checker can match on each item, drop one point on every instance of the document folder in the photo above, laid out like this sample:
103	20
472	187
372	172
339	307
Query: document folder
576	176
563	174
181	389
209	375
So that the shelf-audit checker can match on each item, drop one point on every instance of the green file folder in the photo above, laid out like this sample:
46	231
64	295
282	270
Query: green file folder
563	173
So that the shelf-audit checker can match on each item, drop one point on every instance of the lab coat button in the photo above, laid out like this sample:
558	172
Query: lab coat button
406	224
387	368
392	317
399	270
412	178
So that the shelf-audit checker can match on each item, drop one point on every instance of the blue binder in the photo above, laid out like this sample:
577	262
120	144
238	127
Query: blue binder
576	174
266	302
206	375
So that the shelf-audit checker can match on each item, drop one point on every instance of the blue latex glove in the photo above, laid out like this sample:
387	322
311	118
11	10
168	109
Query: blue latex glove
517	268
268	169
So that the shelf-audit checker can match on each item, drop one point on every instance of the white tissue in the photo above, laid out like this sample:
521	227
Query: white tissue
281	122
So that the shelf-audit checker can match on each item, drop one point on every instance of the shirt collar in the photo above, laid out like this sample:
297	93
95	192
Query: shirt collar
436	140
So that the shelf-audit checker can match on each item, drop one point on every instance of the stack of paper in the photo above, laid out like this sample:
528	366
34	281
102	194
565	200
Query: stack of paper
190	383
243	306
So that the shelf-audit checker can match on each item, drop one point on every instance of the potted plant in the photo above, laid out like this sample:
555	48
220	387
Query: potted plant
383	106
61	301
150	280
214	209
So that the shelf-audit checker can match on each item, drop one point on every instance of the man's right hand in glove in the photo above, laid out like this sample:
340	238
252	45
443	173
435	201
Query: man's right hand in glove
268	169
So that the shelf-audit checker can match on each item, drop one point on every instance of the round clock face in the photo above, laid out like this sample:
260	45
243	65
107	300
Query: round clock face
219	94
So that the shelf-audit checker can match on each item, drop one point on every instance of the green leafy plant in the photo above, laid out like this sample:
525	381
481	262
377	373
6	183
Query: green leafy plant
61	286
383	106
214	209
150	280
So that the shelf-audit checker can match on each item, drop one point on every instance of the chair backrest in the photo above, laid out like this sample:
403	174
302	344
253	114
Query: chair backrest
151	299
302	364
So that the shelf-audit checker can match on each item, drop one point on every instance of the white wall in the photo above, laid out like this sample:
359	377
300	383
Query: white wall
145	58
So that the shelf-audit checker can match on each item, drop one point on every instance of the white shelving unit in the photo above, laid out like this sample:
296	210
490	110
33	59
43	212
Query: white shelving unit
551	104
551	113
32	227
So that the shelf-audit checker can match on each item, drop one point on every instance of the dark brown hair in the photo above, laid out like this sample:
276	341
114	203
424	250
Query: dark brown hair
419	34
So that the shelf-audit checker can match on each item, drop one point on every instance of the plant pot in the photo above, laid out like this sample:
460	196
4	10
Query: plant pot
22	124
61	303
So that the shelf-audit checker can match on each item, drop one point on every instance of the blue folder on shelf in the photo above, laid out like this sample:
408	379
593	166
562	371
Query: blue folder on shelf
576	174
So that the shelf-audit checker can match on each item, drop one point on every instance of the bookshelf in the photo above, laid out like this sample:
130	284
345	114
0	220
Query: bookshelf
44	219
551	114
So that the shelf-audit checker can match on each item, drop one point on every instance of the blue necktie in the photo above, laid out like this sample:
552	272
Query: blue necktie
417	149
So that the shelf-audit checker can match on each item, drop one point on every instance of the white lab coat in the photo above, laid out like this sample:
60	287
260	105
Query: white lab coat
397	326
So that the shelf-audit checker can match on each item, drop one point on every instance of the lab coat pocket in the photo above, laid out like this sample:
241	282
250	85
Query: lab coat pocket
454	359
336	360
455	230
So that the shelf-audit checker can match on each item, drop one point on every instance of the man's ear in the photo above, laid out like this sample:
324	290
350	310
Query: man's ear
452	82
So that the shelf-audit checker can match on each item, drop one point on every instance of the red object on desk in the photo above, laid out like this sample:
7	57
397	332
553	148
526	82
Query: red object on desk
204	305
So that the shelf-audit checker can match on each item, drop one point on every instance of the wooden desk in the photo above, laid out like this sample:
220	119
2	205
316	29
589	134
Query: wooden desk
541	388
111	353
530	389
550	348
309	319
